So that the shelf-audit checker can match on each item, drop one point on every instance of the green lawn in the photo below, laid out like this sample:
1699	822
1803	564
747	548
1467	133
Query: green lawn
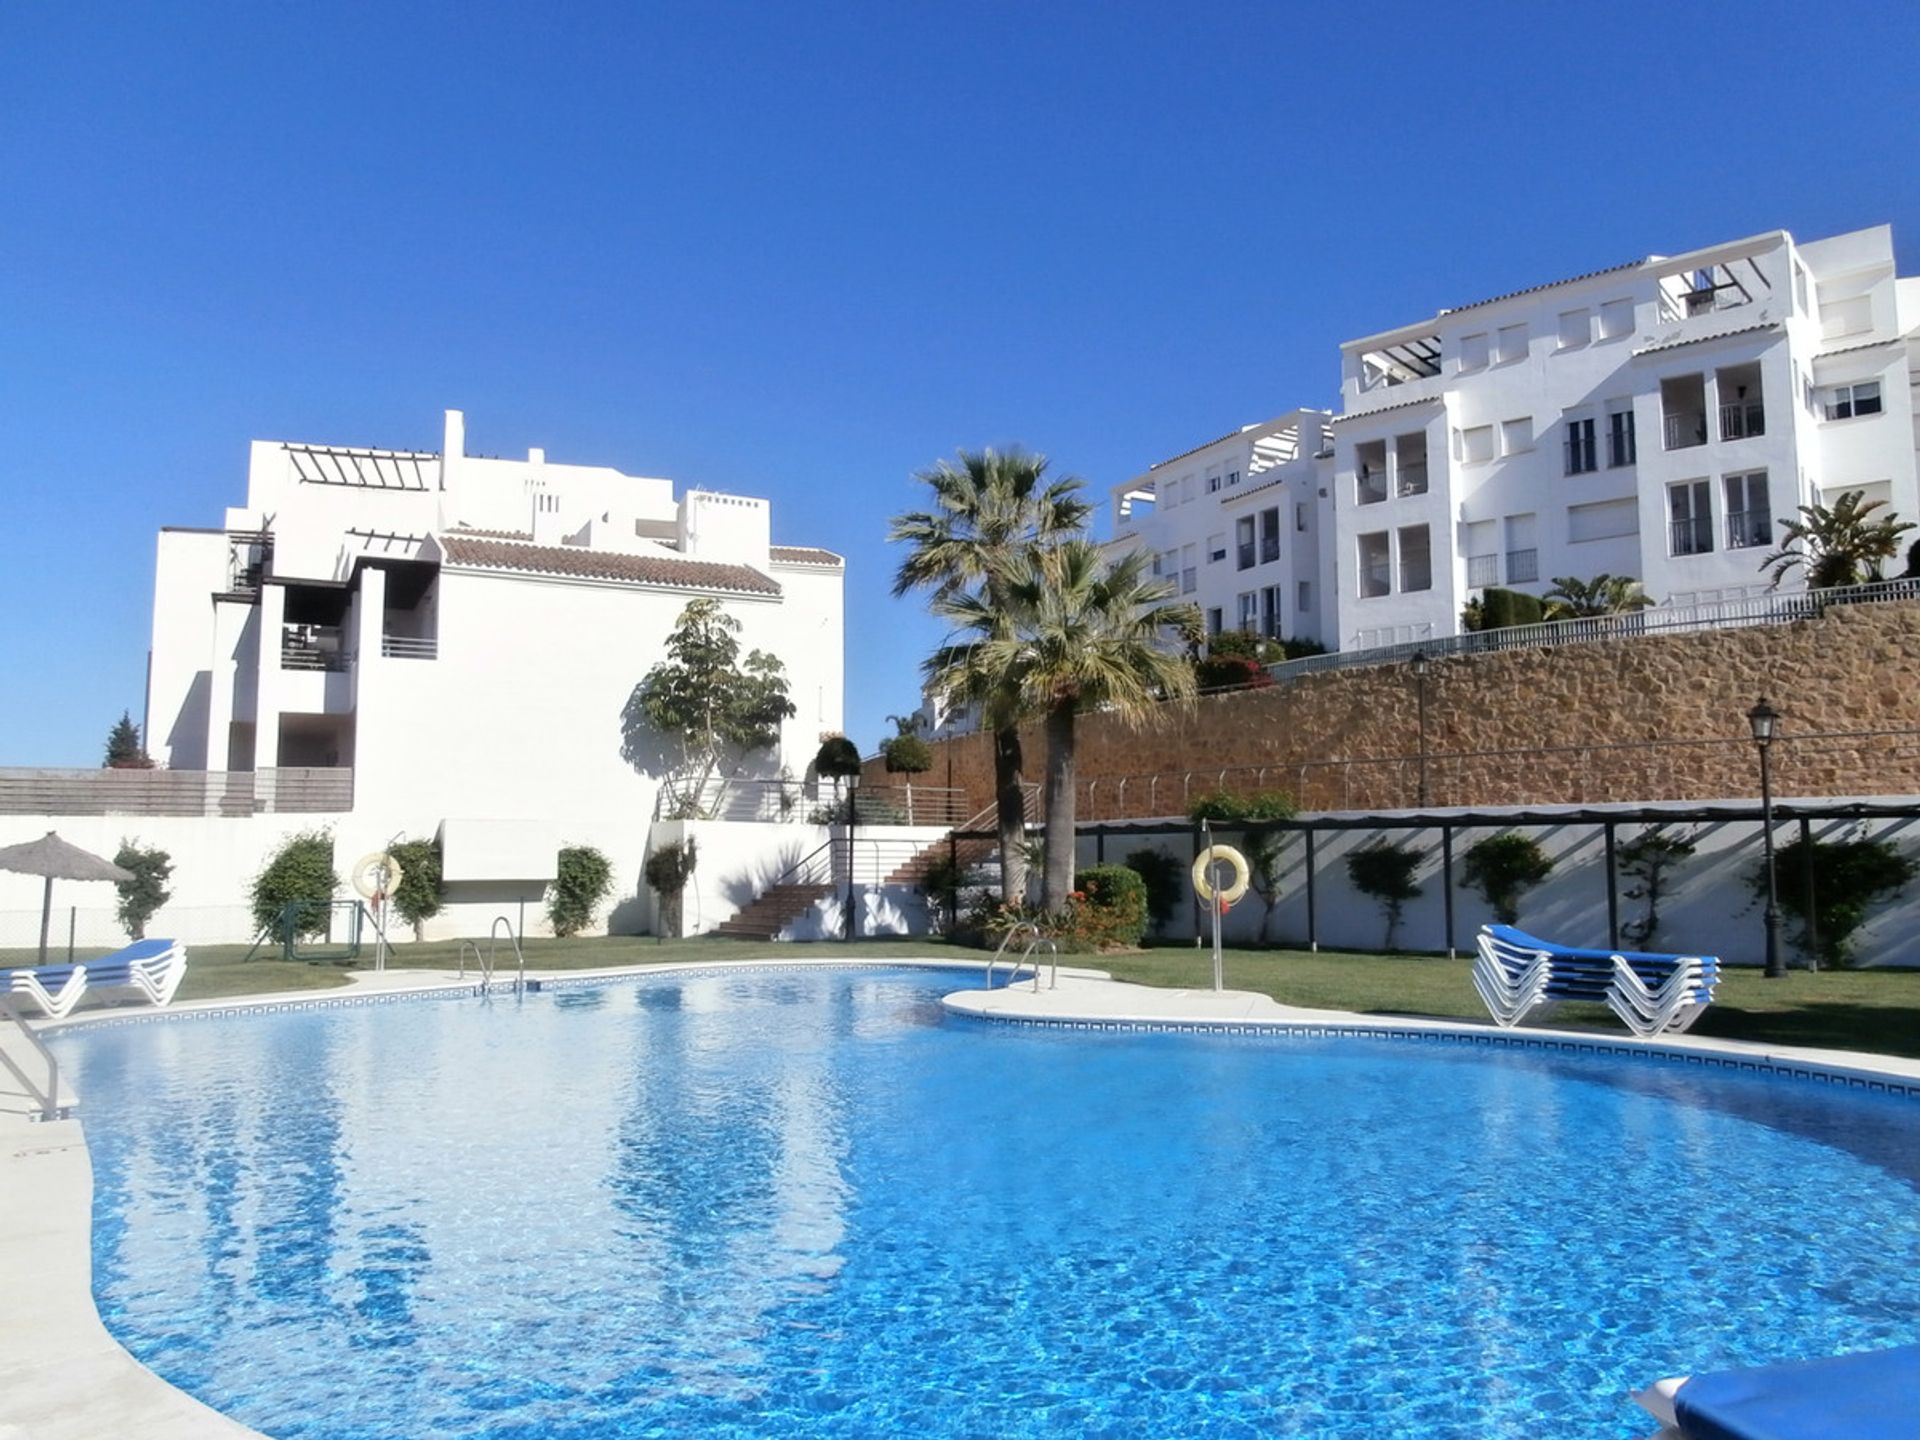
1874	1010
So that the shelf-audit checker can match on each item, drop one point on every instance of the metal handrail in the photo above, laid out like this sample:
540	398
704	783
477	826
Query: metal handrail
520	984
480	963
48	1099
1022	927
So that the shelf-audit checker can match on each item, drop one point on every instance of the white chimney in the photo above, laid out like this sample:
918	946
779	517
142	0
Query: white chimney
536	456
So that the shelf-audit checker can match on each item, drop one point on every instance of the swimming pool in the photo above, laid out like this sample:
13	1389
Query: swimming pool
803	1202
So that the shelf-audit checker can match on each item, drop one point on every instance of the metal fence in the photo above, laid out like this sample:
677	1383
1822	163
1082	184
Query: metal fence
85	932
812	803
174	792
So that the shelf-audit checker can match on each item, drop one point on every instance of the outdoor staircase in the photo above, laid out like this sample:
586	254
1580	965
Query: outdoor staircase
969	853
773	912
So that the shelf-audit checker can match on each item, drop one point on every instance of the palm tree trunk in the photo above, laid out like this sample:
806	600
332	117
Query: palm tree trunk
1057	878
1011	801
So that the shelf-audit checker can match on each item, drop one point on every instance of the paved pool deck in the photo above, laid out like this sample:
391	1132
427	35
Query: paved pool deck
63	1377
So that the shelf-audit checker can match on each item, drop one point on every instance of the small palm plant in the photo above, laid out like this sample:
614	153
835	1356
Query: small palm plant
1842	545
1573	598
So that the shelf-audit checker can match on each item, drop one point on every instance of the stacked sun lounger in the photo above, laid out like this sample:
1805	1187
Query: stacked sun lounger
1518	975
148	970
1874	1395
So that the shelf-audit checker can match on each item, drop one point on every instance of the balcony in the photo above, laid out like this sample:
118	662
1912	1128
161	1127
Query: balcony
1685	431
1482	571
1412	480
1748	528
1522	566
1742	420
409	647
1376	579
1691	537
314	647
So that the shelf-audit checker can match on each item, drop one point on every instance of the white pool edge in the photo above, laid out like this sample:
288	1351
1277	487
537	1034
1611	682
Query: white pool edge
64	1377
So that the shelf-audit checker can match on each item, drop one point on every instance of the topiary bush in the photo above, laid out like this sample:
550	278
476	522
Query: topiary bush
1161	874
1501	868
907	755
419	896
583	878
1384	870
147	891
667	871
300	874
837	758
1113	908
1850	877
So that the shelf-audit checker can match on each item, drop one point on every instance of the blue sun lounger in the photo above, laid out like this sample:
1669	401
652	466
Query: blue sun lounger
1518	975
1874	1395
150	969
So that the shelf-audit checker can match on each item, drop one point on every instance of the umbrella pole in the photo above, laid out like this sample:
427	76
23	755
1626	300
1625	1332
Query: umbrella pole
46	916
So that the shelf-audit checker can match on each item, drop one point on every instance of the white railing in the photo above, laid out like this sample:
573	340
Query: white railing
410	647
174	792
314	647
1767	609
812	802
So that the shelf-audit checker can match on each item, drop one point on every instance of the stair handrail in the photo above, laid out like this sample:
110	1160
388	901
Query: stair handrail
48	1099
1022	927
786	877
493	939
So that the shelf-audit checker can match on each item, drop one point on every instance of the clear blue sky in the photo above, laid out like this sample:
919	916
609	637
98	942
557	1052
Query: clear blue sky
801	252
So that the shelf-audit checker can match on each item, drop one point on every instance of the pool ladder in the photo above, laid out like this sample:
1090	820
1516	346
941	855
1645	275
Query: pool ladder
483	962
1035	940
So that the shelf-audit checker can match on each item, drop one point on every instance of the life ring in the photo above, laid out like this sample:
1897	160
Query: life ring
375	876
1220	855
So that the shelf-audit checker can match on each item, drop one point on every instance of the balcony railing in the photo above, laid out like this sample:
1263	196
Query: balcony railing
409	647
1742	421
1522	566
1482	571
1691	537
1685	431
1376	579
1416	575
1412	480
1371	486
314	647
174	792
1748	528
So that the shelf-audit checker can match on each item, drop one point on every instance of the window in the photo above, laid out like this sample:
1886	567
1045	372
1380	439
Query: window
1616	319
1370	472
1516	436
1216	548
1575	328
1213	483
1233	477
1243	541
1376	569
1620	448
1690	518
1167	564
1482	571
1473	351
1249	610
1303	596
1157	568
1187	576
1416	558
1523	555
1300	516
1270	612
1749	514
1511	345
1845	402
1603	521
1581	453
1214	621
1475	443
1269	535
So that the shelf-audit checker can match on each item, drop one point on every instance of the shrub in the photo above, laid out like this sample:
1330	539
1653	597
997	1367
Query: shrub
147	891
584	876
1384	870
666	872
907	755
1114	908
1160	873
1850	876
1230	672
1496	609
417	899
837	758
1221	806
300	874
1501	867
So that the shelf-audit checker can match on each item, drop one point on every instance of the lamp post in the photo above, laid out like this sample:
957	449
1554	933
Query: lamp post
1763	719
1419	667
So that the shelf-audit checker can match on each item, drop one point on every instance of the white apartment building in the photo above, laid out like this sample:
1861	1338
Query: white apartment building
1655	420
424	643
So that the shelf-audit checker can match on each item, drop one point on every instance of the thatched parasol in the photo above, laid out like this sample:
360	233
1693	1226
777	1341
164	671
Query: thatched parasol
57	860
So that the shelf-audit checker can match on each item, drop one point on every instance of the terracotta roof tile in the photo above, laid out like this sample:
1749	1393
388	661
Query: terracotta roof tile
478	534
803	555
604	565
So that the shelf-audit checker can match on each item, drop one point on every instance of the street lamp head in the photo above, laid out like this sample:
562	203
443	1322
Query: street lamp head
1763	718
1419	663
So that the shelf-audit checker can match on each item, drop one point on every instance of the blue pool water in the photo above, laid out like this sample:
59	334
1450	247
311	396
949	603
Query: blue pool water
800	1203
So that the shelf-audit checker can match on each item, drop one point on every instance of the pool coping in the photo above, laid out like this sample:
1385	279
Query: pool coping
64	1377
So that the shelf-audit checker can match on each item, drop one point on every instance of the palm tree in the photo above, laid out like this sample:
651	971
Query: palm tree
989	510
1073	633
1572	598
1838	546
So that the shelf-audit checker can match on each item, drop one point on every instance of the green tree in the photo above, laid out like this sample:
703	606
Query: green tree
1501	867
906	753
1645	861
1070	633
124	750
301	876
1384	870
1844	545
710	708
417	899
1572	598
582	878
989	509
147	891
